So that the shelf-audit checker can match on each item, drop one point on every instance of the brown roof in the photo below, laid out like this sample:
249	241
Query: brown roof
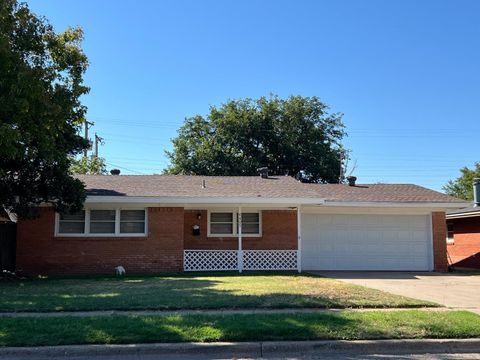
253	187
381	192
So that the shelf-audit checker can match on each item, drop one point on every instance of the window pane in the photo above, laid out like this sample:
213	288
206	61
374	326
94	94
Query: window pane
221	217
102	227
102	215
221	228
250	229
132	227
129	215
71	227
80	216
250	217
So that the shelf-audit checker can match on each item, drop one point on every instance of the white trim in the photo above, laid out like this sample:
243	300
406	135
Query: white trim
473	213
234	215
88	234
240	245
299	239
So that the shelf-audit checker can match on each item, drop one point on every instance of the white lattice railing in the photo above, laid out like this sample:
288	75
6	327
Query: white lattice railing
216	260
210	260
269	259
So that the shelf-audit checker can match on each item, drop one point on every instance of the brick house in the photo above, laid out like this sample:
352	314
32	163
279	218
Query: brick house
157	223
463	236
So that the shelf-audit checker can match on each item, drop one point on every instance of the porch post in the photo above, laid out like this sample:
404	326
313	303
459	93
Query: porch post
240	246
299	240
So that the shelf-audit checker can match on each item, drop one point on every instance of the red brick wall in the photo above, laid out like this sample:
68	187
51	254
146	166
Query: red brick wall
279	232
439	231
40	252
465	252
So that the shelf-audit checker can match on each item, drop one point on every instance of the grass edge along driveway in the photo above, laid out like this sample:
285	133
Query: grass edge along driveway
193	291
344	325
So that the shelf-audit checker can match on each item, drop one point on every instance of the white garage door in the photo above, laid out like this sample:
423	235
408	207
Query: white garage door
365	242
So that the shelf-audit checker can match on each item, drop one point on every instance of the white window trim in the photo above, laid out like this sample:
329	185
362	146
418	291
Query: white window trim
235	217
117	225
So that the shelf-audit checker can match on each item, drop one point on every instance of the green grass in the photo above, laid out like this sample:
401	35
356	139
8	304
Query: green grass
346	325
192	291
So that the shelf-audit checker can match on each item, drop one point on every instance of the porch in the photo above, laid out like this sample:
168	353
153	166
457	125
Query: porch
242	238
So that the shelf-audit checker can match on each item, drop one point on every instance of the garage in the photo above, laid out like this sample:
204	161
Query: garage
366	242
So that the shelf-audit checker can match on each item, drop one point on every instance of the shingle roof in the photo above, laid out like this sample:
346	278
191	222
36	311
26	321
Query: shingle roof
252	187
381	193
471	211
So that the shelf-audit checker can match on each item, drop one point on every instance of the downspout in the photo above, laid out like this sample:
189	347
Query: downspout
299	240
240	245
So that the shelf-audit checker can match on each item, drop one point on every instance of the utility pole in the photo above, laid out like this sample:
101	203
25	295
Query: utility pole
342	170
87	125
98	139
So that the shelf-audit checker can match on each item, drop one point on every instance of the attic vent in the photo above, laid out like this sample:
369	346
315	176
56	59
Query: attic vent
115	172
263	171
351	180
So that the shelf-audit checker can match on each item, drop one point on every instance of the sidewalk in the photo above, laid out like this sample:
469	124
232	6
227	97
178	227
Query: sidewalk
247	349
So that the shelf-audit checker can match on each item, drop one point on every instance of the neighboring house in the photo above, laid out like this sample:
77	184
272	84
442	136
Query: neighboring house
188	223
463	237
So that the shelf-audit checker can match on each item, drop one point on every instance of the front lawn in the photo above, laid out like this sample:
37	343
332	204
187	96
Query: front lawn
192	291
345	325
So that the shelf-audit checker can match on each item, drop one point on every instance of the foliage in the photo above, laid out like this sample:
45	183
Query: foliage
88	166
40	112
328	325
462	187
291	136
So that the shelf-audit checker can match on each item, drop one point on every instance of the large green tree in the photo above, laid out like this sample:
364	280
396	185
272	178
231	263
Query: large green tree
462	187
289	136
41	82
88	166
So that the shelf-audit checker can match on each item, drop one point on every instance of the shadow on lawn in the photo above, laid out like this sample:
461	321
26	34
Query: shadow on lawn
192	291
203	328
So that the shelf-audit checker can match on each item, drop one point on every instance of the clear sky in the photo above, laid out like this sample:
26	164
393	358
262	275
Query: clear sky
406	74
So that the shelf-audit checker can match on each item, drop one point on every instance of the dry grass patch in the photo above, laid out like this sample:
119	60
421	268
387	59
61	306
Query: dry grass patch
193	291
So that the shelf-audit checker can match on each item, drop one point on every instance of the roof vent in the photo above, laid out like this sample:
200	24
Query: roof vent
115	172
351	180
263	171
476	192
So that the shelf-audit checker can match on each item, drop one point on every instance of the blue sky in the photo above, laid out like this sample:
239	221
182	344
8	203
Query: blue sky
406	74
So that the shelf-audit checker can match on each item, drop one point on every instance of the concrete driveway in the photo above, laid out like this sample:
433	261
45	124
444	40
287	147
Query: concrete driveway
452	290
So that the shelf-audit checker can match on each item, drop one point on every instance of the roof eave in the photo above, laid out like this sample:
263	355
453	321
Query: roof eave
201	200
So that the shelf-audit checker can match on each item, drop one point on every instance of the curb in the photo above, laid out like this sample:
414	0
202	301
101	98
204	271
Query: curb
253	349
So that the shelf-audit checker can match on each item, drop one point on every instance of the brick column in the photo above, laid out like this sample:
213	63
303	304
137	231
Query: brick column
439	234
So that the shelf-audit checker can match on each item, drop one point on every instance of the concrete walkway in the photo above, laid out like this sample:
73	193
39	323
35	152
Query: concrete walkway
454	291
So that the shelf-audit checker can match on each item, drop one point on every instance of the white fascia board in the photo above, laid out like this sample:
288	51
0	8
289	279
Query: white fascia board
374	204
199	200
464	215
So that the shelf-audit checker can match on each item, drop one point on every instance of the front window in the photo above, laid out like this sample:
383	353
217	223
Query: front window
223	223
72	223
250	223
102	222
132	221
